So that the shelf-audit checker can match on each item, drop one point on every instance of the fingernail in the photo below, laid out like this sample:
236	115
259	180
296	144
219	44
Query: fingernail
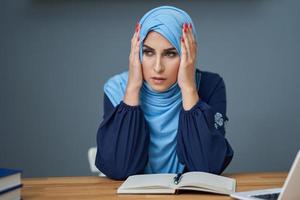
136	27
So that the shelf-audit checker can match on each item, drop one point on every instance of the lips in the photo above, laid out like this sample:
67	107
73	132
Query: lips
158	80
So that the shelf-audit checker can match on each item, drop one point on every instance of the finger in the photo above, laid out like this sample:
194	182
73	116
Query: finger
135	34
132	45
192	42
136	56
134	41
191	46
186	40
189	33
183	50
192	33
136	49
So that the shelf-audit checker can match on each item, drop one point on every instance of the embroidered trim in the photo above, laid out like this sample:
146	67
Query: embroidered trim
219	121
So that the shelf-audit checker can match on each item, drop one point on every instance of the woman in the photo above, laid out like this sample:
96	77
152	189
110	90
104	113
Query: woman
163	115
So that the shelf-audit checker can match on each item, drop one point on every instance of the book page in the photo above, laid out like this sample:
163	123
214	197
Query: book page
150	181
207	181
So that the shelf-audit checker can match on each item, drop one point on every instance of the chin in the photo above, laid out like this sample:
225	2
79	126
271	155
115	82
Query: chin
159	88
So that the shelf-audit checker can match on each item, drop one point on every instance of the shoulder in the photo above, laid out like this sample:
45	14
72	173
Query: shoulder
115	87
209	81
118	78
116	81
209	78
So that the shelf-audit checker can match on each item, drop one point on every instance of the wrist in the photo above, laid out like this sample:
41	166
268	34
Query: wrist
133	86
132	96
189	89
188	84
190	97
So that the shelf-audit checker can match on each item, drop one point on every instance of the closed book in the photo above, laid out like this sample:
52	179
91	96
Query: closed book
14	194
10	179
172	183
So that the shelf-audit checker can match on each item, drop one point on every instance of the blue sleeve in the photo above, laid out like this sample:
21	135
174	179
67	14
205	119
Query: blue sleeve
201	142
122	141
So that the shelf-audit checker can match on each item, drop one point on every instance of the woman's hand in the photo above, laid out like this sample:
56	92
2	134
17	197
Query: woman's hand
135	75
186	72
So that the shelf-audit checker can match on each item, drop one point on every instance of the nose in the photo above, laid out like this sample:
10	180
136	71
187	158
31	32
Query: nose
158	68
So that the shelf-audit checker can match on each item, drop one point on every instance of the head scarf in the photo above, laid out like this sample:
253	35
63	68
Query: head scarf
161	109
168	21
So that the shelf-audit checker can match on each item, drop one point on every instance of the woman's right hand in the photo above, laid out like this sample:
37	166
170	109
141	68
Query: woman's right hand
135	75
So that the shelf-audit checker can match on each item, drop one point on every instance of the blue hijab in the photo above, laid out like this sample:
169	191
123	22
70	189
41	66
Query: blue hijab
161	109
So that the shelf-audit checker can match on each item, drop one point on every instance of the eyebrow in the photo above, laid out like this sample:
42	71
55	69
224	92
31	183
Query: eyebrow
169	49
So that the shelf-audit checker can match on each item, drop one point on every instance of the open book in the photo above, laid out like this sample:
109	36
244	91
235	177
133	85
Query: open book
170	183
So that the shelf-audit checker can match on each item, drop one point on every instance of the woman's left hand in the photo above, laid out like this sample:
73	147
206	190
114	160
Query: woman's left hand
186	72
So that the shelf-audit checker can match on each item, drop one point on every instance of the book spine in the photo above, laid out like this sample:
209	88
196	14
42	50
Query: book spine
10	189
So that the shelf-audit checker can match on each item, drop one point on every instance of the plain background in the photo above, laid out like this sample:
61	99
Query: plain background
55	56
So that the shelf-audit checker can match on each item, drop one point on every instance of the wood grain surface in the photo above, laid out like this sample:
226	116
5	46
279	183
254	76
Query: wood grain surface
91	188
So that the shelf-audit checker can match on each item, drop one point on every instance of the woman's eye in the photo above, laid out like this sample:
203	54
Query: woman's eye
148	53
171	54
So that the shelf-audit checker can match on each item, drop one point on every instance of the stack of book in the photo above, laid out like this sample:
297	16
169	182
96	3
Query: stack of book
10	184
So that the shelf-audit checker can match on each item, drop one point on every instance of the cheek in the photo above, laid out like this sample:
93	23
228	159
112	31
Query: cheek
173	72
173	67
147	64
148	61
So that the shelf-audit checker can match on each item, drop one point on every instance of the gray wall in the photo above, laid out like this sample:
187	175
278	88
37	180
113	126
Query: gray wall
56	55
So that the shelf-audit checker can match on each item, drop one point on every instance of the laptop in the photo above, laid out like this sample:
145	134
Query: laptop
289	191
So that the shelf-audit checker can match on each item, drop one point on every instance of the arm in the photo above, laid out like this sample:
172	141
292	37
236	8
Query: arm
122	141
201	144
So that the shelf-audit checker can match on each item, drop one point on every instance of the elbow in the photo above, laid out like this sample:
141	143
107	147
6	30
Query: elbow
219	169
117	171
227	159
113	173
110	170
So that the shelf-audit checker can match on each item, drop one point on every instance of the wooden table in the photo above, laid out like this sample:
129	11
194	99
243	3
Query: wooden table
103	188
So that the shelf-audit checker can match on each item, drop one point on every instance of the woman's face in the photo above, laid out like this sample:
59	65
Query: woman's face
160	62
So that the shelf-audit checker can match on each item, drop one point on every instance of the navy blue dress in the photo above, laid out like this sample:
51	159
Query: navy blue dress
123	135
